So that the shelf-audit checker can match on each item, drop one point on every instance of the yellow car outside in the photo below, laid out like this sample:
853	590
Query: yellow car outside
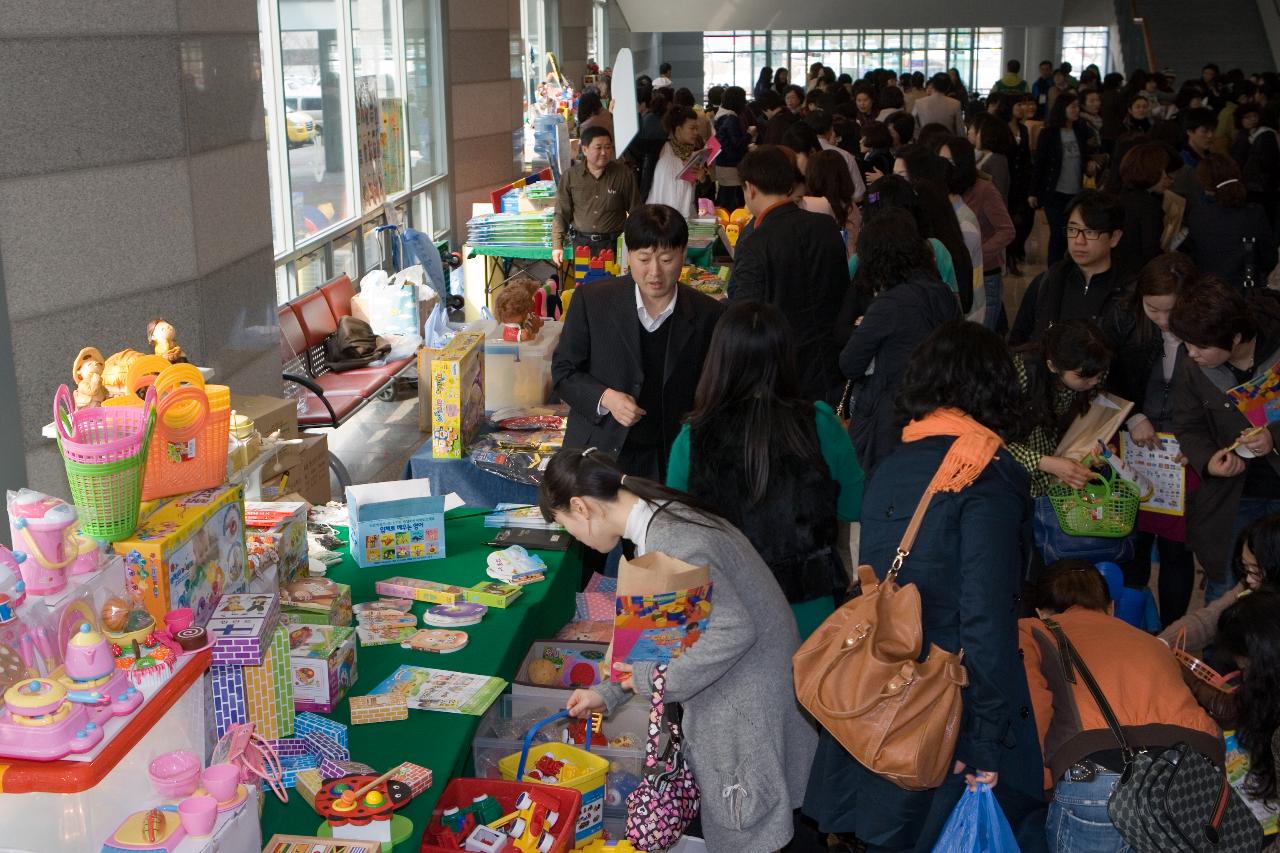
299	128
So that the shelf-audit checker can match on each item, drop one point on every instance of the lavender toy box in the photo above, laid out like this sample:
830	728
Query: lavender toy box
241	626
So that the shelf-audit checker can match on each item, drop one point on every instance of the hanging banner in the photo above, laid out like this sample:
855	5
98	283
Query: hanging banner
393	145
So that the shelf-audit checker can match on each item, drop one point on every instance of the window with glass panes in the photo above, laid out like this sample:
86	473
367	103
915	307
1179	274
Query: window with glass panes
1085	46
738	56
315	54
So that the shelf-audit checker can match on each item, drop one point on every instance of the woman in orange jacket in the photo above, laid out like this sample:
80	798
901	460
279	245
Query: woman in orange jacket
1138	676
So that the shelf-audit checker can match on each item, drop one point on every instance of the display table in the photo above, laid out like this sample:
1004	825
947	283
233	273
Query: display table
474	485
503	263
441	742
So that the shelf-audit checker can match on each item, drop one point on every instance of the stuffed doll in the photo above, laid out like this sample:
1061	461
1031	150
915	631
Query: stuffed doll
513	308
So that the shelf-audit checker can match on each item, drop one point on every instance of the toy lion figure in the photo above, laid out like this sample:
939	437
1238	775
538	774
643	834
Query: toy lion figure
513	308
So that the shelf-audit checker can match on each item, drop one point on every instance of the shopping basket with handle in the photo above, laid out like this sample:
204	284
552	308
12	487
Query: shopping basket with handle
189	449
589	775
104	450
1107	507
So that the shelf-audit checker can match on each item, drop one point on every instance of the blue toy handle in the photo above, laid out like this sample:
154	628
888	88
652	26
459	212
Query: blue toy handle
528	739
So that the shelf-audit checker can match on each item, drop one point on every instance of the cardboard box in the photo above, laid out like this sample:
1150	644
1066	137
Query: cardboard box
268	413
268	690
379	708
316	601
457	395
323	662
307	472
281	545
241	628
493	593
226	693
397	522
416	589
187	551
308	723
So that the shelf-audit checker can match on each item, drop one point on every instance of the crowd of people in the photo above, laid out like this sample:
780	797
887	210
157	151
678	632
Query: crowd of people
864	352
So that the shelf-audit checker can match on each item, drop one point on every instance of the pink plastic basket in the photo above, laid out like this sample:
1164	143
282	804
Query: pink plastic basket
100	435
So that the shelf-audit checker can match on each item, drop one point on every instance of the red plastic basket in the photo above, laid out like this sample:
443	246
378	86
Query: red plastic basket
460	792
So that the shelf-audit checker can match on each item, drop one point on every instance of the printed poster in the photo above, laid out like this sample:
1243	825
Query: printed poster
1259	398
1162	468
392	145
369	144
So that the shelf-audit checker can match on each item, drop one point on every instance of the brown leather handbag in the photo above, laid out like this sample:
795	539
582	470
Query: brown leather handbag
860	677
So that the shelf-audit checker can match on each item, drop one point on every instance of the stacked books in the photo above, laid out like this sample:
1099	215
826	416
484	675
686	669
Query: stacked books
513	230
516	566
455	615
519	515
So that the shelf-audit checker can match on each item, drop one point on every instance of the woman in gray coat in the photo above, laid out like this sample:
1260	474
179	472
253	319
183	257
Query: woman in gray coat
745	739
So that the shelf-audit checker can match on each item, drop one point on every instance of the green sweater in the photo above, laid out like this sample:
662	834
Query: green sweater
946	269
837	452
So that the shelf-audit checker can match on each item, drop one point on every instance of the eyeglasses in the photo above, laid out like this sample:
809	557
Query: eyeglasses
1074	231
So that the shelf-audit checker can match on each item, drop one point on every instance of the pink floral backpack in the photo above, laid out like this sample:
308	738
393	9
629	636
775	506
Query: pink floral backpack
666	802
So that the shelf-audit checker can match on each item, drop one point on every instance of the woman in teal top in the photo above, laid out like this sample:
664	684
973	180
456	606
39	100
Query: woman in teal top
778	467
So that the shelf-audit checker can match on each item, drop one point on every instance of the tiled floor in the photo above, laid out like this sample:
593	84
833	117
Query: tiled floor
376	444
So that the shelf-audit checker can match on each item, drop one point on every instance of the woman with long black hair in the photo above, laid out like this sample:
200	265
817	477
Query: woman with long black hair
908	300
1063	147
1249	630
734	682
775	465
763	82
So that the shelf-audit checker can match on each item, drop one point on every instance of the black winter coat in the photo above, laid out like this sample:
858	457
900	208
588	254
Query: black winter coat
1048	161
895	324
1143	228
797	261
599	349
1216	236
967	564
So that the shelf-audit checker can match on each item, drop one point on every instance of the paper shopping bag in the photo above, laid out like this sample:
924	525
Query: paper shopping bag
662	607
1103	419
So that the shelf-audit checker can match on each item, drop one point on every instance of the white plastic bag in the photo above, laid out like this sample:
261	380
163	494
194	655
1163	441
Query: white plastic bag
392	307
404	346
437	332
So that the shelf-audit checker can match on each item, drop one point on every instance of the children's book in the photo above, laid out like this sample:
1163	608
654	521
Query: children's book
442	690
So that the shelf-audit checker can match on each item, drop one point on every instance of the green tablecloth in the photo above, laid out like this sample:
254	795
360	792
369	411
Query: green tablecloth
441	742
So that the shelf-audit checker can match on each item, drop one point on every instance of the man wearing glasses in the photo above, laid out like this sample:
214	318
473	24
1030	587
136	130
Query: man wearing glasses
1082	286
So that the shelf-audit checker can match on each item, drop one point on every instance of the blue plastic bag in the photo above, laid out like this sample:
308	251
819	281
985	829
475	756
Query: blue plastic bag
976	825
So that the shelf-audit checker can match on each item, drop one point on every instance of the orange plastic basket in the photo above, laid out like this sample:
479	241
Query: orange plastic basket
189	446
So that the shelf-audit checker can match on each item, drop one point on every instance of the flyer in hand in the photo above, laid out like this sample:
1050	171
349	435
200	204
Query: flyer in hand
702	157
442	690
1259	398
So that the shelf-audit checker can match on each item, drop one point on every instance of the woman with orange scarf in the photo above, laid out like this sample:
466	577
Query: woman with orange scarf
961	397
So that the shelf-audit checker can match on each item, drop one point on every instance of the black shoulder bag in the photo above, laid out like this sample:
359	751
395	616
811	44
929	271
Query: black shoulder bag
1175	801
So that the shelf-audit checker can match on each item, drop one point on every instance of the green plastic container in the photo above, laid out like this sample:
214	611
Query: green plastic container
1105	508
108	496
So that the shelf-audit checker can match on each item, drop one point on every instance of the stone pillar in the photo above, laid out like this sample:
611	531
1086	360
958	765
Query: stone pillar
486	100
133	185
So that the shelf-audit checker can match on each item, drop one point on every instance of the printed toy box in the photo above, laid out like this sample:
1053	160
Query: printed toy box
323	660
187	551
241	628
276	535
316	601
457	395
395	523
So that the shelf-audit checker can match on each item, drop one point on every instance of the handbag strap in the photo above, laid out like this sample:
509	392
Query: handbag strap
1071	658
909	536
657	713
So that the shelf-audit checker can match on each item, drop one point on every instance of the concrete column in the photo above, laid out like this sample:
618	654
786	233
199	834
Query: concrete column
133	185
486	100
575	20
1041	43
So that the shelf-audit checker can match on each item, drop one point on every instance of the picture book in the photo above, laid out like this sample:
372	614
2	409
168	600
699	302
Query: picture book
1259	398
1162	468
441	690
663	606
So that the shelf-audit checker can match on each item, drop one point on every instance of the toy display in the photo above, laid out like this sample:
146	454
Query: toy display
115	372
276	538
420	590
382	708
317	601
255	757
395	523
513	309
241	627
532	817
322	659
188	551
436	640
360	806
42	720
148	663
457	395
43	531
562	764
163	339
86	372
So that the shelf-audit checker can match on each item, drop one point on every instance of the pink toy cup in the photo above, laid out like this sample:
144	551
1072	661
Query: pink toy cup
179	620
198	815
221	781
175	774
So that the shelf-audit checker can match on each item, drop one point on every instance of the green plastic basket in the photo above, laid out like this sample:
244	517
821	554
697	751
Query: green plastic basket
1106	508
107	496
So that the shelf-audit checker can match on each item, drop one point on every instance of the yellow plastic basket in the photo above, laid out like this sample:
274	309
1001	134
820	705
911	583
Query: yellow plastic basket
591	783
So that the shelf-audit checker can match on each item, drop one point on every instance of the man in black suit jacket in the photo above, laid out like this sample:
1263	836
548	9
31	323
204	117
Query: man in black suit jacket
797	261
631	353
